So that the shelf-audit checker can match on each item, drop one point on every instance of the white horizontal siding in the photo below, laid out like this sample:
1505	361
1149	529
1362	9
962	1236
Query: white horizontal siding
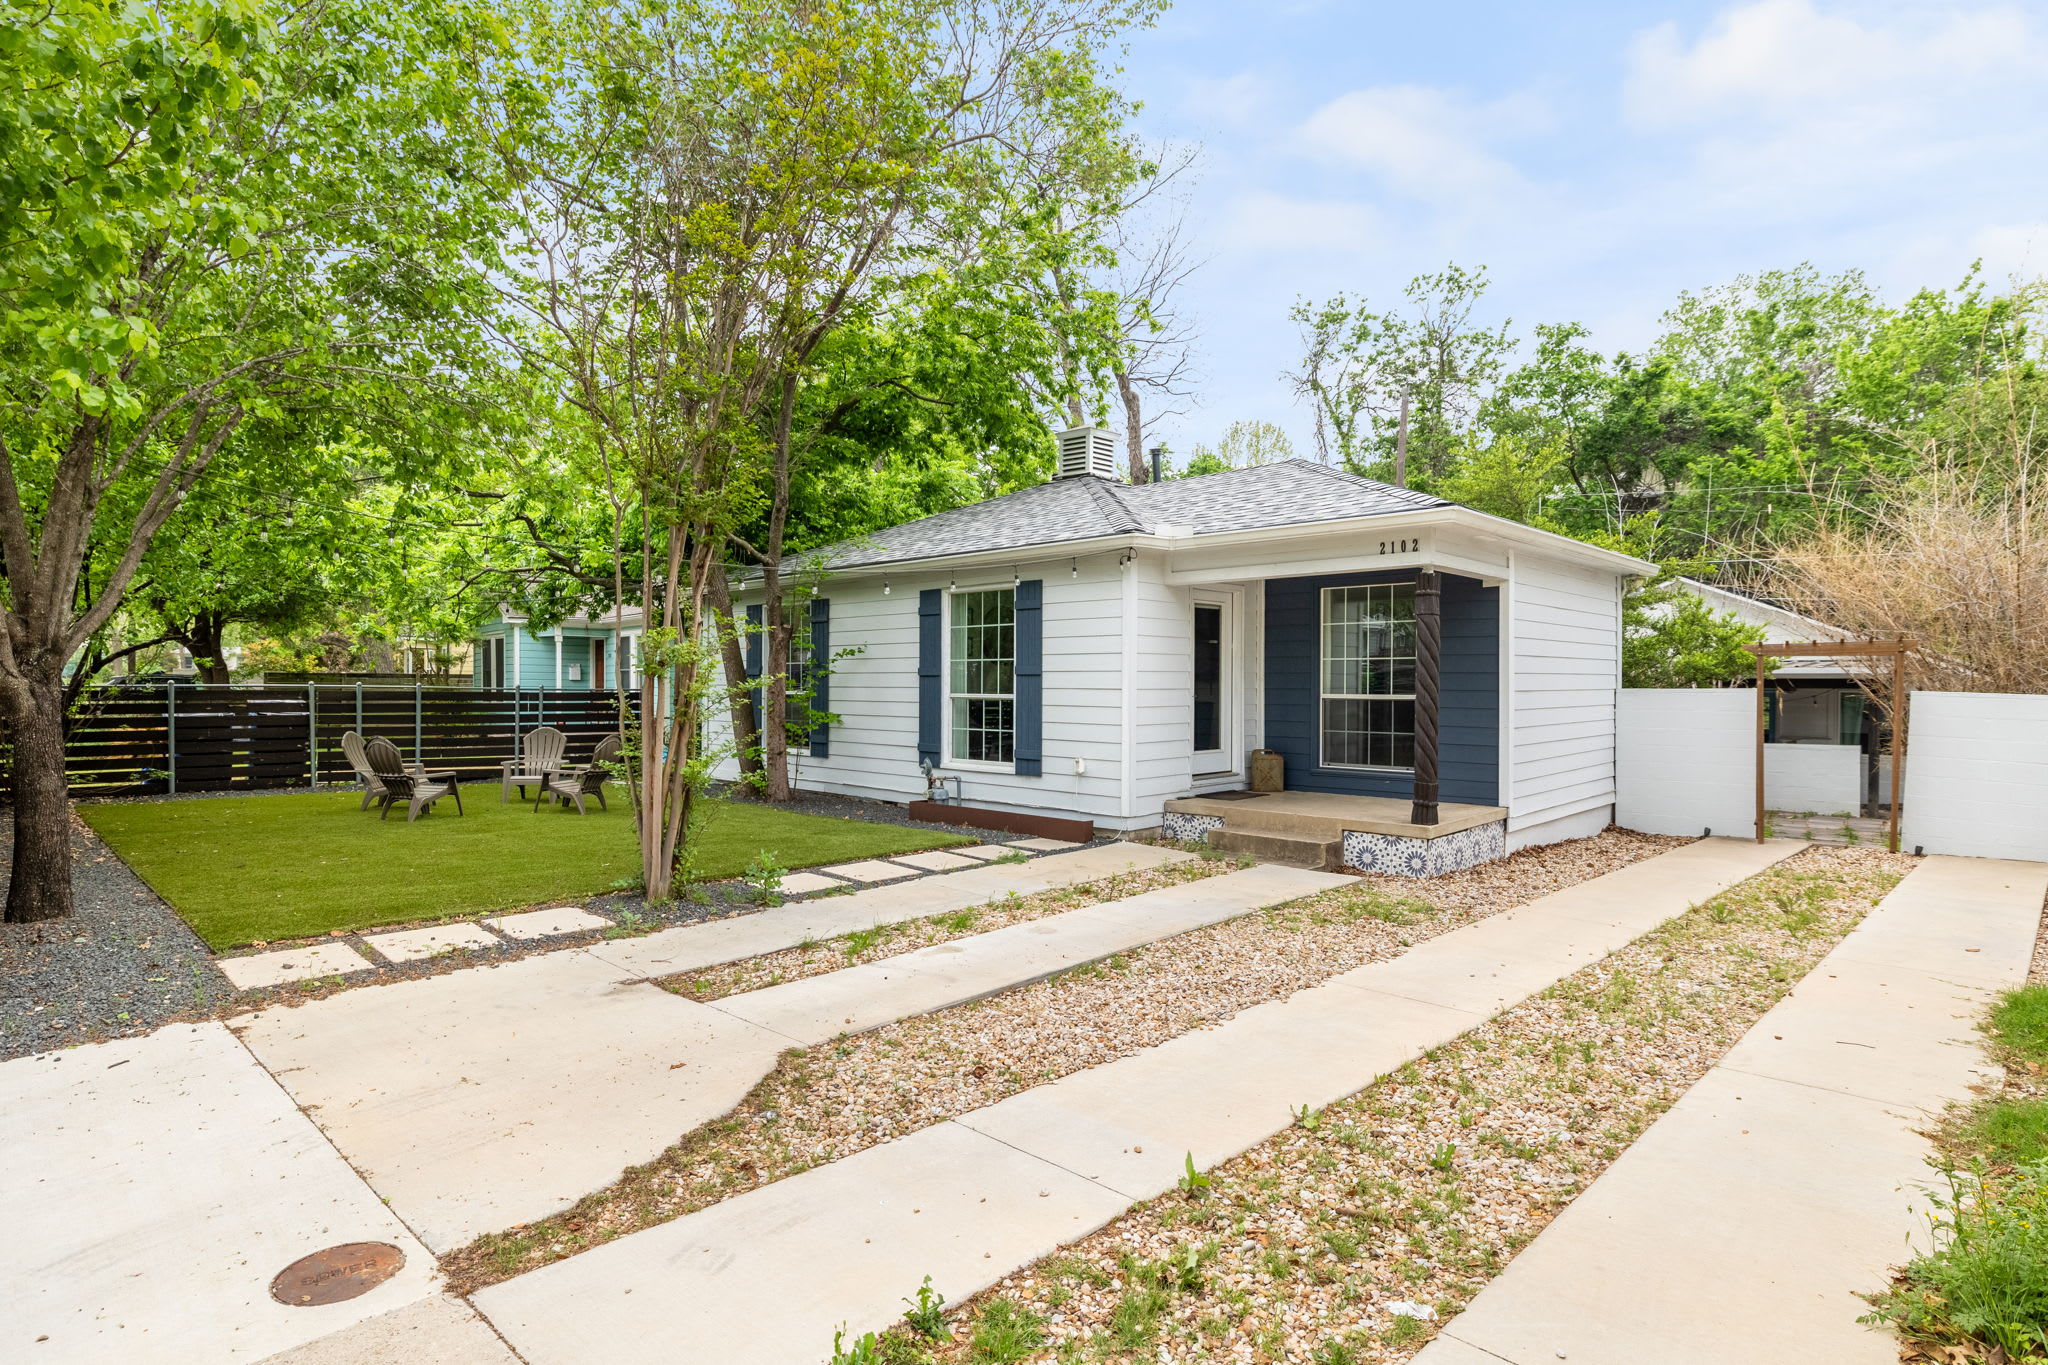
1563	670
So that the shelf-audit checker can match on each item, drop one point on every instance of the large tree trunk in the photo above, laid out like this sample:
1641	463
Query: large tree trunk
1134	427
204	639
775	691
40	885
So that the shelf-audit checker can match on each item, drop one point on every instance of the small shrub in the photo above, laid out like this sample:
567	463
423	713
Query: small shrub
1986	1280
764	877
860	1352
927	1313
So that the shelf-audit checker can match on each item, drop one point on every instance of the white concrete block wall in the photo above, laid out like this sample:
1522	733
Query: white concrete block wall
1826	779
1976	775
1685	760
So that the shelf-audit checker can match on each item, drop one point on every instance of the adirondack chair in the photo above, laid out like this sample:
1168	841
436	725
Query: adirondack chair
540	757
573	784
416	787
352	744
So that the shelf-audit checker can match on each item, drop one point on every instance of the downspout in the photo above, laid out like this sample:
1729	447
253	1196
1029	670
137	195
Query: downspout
558	658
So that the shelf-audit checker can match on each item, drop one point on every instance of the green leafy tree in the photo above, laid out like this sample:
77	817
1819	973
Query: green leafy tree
218	215
1672	638
1242	445
1394	392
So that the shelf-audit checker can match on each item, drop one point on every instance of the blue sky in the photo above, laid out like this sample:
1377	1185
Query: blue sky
1597	157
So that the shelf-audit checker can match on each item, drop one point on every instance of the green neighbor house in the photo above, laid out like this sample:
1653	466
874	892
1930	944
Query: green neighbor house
582	654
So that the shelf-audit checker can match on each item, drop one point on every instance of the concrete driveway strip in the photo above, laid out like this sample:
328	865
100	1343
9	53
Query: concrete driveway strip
946	974
481	1099
1745	1221
704	945
153	1188
767	1275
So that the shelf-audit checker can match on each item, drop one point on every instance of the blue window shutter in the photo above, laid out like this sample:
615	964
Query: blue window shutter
931	703
754	660
821	677
1030	750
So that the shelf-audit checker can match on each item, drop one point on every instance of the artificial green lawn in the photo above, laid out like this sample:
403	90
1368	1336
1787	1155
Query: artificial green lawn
250	869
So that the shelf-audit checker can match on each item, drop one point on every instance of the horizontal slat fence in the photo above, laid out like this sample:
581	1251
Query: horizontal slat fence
133	741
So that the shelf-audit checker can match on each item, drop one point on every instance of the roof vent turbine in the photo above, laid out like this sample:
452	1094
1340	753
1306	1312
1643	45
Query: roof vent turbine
1086	451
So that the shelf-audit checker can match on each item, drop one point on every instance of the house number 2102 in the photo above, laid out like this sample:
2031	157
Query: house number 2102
1401	547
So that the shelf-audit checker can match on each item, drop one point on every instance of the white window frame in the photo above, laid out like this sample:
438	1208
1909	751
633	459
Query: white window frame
1322	696
953	759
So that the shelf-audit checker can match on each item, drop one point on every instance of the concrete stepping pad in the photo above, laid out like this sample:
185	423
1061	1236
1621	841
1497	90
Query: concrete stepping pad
691	946
1037	845
154	1188
870	870
981	853
816	1008
560	919
292	964
804	883
939	860
410	945
1785	1179
837	1232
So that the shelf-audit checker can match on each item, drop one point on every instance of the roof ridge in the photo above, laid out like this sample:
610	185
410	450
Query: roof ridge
1103	491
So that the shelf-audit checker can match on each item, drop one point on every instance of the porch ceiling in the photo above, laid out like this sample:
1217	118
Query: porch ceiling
1327	815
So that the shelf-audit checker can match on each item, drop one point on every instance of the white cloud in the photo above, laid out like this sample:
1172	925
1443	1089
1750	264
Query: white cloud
1421	141
1776	59
1263	221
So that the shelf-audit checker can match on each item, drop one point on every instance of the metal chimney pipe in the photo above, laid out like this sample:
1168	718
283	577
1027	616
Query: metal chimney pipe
1158	454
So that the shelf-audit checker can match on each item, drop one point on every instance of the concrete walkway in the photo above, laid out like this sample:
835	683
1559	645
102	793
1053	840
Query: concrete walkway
483	1099
1743	1223
766	1276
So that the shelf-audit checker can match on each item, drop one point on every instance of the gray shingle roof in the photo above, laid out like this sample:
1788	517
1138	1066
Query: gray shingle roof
1288	493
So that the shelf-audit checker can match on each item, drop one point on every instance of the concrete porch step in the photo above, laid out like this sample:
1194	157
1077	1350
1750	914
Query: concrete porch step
1325	855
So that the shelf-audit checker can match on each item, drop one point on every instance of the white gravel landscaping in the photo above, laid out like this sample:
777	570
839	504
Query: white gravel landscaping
1351	1237
830	1101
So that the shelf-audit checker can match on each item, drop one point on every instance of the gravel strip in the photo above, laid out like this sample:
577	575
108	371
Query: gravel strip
1351	1237
890	940
828	1102
122	963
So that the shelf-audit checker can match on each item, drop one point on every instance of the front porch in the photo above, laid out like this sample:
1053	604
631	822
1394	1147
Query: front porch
1329	830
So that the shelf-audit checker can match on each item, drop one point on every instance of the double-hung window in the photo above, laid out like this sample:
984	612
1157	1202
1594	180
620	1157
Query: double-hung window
1368	682
983	676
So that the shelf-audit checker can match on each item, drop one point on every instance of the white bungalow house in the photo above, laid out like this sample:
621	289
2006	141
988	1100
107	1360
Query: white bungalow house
1115	655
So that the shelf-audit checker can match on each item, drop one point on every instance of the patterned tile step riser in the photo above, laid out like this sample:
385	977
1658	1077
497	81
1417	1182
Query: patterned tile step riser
1405	857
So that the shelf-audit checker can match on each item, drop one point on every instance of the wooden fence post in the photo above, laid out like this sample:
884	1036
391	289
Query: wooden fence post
171	732
418	724
313	734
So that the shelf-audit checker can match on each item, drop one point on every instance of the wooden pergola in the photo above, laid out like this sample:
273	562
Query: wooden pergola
1895	650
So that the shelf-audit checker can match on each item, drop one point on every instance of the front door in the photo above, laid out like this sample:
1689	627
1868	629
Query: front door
1212	702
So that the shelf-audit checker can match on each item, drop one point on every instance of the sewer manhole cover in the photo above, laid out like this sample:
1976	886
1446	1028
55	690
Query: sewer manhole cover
336	1274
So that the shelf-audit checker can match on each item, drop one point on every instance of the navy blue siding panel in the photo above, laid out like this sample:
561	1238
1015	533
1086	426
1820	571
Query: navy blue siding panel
1030	719
821	673
930	656
755	615
1469	718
